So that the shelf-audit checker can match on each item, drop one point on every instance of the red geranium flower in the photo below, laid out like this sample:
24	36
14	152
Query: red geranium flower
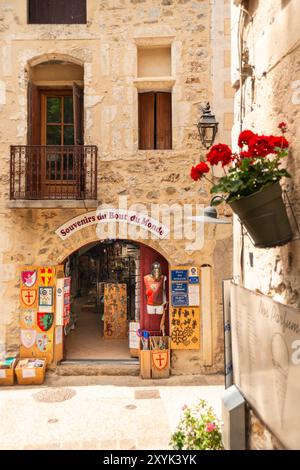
280	142
261	145
283	127
198	171
245	138
246	155
220	153
202	168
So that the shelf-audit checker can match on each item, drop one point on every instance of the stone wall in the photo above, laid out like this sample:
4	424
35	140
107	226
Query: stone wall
271	96
259	437
107	49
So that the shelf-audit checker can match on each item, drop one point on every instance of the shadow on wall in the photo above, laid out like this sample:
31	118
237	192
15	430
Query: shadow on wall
284	3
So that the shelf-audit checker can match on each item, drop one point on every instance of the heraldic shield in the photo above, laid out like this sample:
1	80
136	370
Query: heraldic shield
28	338
28	278
28	297
46	275
44	320
160	359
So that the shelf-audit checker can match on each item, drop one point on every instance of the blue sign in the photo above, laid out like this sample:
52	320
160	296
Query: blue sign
179	288
180	300
194	280
179	275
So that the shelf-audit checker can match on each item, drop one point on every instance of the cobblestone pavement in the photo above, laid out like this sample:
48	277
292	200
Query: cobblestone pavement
100	412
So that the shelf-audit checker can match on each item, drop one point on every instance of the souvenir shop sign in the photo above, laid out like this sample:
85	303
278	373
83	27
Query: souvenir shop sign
185	327
185	286
185	307
113	215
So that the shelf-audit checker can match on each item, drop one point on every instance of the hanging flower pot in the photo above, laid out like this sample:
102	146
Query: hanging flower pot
264	216
250	184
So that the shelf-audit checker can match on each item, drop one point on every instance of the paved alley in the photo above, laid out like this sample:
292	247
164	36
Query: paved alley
100	412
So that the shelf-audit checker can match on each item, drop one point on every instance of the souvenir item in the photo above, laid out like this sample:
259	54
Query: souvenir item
46	276
43	342
28	338
44	320
28	278
28	297
27	318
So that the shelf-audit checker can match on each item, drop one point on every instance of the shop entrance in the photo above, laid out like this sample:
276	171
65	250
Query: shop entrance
107	294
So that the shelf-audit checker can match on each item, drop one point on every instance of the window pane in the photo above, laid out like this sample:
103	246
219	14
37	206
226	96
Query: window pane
53	135
68	110
53	109
68	135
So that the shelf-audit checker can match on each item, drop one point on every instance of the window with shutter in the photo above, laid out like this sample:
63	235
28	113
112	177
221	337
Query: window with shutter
155	121
57	11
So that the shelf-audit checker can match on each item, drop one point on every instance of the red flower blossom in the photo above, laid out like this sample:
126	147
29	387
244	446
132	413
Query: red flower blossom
198	171
210	427
220	153
261	145
246	155
202	167
280	142
283	127
245	138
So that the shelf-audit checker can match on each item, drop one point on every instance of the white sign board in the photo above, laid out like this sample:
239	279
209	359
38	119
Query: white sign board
134	339
266	361
115	216
59	302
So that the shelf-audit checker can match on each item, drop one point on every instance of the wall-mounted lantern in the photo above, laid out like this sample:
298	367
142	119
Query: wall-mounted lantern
207	127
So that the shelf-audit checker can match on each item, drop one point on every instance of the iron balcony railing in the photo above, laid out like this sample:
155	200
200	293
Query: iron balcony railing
53	172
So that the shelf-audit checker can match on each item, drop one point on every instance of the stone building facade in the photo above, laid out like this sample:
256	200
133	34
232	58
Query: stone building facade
125	48
270	91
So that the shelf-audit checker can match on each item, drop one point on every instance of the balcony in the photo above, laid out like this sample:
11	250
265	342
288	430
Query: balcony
53	172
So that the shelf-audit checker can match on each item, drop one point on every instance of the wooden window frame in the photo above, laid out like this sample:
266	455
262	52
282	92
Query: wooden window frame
44	94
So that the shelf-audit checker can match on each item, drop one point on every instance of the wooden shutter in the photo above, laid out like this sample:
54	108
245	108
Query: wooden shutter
57	11
33	158
163	120
34	115
146	121
78	137
78	114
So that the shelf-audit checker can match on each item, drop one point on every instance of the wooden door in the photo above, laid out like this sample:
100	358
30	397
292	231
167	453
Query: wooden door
59	171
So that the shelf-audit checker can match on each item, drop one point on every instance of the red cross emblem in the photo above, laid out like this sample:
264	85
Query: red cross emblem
46	275
160	359
28	297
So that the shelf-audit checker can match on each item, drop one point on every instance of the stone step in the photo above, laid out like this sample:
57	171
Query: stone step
99	367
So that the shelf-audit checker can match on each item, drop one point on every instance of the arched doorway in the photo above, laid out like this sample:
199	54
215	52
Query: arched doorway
107	296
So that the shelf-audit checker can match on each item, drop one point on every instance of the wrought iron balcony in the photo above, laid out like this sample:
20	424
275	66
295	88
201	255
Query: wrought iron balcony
53	172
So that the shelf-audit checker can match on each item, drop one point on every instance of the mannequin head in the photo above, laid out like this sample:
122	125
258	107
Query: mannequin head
156	270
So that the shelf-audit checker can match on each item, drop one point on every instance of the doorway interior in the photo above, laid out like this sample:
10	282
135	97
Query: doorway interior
101	273
107	293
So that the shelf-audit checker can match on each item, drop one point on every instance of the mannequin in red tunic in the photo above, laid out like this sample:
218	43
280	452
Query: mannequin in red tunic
155	287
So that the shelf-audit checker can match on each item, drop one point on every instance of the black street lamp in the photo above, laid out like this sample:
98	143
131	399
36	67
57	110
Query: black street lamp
207	127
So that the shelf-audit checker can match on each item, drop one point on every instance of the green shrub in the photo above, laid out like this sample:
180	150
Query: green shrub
198	429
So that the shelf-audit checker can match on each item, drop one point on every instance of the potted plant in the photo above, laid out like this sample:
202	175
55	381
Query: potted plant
250	184
198	429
